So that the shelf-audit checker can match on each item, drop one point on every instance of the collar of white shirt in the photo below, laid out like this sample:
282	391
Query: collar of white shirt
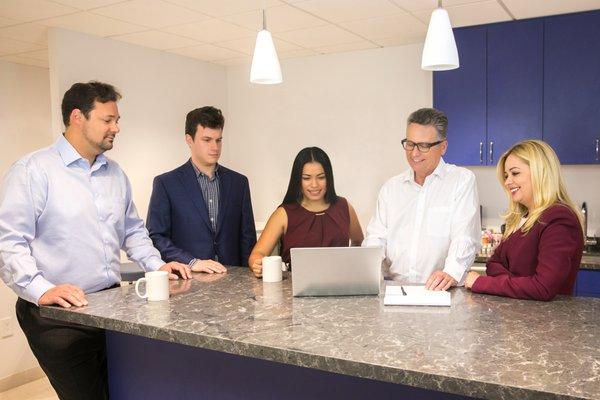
439	171
69	155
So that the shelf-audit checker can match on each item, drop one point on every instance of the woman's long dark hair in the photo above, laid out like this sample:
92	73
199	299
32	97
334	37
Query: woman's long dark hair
307	155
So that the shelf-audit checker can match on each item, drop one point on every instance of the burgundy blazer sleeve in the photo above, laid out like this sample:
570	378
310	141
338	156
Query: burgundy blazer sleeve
560	236
494	266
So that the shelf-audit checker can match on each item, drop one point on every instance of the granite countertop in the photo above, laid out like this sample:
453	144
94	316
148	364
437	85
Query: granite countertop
483	346
588	261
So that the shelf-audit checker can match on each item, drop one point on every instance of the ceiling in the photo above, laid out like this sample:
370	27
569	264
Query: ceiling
223	31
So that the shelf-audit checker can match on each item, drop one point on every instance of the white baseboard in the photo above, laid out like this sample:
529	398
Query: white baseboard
21	378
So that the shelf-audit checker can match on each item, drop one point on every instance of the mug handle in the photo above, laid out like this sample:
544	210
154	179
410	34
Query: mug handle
137	288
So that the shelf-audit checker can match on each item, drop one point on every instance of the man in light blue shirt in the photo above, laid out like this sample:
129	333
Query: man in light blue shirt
66	211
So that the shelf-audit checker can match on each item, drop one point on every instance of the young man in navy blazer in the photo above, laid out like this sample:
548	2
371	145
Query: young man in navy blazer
200	214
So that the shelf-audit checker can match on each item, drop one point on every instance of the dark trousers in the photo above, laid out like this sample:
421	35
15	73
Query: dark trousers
72	356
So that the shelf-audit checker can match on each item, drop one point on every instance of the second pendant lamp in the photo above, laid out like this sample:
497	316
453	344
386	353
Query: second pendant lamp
265	64
440	52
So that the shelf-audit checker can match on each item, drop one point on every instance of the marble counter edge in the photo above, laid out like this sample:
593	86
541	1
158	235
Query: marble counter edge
437	382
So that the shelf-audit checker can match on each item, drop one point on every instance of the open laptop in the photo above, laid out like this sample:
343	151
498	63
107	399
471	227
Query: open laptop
335	271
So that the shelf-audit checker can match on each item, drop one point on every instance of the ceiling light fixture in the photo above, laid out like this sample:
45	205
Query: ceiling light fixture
265	64
439	52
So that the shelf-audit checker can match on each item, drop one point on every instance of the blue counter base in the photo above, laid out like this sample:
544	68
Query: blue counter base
142	368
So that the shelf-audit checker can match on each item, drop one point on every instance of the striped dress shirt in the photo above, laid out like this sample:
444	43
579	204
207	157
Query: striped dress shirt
210	192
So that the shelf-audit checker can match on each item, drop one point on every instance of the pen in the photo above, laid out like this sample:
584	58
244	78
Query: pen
403	292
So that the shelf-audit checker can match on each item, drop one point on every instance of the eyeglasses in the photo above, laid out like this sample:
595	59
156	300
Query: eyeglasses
424	147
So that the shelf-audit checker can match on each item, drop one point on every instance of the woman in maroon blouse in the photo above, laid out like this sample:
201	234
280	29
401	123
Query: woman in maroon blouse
311	215
541	249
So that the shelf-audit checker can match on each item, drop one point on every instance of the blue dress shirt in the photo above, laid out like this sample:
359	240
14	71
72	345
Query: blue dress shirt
64	221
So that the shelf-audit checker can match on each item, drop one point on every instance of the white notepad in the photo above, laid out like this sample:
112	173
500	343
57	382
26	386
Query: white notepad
415	296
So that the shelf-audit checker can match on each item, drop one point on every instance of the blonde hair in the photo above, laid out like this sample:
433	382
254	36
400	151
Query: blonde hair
546	182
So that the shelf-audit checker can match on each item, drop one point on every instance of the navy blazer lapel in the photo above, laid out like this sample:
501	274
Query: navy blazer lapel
224	190
192	188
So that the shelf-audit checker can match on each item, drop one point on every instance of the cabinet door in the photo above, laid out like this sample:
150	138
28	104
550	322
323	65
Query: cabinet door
514	85
572	86
461	95
588	283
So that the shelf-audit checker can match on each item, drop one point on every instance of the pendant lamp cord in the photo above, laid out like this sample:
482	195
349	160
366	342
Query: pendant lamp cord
264	14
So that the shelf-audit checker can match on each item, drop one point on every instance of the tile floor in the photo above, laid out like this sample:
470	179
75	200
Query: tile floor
35	390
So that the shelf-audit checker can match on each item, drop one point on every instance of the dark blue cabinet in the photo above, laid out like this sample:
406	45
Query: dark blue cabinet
514	84
495	98
572	86
461	94
537	78
588	283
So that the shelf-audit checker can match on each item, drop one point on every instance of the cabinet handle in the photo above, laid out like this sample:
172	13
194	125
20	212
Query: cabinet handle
481	152
491	152
597	148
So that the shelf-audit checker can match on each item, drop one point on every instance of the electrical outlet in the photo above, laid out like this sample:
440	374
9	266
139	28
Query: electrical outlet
6	327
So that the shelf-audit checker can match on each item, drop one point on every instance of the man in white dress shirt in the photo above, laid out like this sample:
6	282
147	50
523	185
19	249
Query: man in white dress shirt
427	218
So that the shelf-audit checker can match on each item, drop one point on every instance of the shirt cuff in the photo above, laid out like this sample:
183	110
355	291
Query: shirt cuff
457	271
153	264
36	288
373	241
192	262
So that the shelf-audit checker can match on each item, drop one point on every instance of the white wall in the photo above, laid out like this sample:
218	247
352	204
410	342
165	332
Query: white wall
353	105
158	90
24	127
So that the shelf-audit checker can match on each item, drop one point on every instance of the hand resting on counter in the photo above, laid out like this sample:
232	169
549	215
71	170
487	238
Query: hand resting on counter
440	280
470	279
174	268
208	266
64	295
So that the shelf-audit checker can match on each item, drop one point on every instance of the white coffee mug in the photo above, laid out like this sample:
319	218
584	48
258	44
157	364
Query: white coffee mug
271	269
157	286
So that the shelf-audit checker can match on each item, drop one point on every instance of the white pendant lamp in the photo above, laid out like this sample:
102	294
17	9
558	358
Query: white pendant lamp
265	64
439	52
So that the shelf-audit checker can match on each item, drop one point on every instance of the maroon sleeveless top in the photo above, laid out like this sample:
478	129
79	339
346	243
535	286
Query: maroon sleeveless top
328	228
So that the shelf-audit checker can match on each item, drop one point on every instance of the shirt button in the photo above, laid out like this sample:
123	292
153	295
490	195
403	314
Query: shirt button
210	200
